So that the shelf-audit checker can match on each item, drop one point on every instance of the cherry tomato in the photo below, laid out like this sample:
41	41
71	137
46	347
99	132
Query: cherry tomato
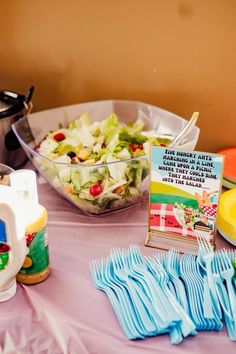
59	136
140	146
132	147
95	189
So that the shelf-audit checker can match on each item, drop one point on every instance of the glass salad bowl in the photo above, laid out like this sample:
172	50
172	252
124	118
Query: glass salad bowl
99	161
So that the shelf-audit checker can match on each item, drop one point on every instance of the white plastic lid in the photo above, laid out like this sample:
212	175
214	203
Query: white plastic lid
25	183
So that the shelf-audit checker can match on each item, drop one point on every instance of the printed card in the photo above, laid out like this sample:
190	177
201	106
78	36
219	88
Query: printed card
184	195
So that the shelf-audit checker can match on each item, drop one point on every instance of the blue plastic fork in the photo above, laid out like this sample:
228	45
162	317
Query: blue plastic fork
232	255
96	276
140	265
226	271
161	255
192	292
166	312
172	268
221	288
224	301
187	326
132	320
206	256
157	310
199	283
149	326
212	324
208	302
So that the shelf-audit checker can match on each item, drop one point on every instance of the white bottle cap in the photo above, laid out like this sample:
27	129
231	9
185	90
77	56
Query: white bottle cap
24	182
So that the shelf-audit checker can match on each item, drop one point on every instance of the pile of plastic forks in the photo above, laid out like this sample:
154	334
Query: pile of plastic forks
170	294
219	270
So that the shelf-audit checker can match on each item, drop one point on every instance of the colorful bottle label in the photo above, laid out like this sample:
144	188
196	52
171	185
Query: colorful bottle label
3	236
4	247
37	259
4	255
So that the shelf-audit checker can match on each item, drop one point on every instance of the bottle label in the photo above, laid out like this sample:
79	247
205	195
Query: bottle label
4	255
37	259
4	247
3	236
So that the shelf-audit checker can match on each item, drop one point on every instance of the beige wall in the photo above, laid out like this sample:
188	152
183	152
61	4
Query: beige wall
176	54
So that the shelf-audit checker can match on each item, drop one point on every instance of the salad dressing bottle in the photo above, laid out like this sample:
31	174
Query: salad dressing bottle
12	240
36	265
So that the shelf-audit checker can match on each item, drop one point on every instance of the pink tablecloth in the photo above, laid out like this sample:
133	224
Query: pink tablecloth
66	313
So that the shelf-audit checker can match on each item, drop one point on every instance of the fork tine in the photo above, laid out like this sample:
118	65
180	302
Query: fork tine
118	253
131	249
121	252
231	256
213	266
158	264
227	258
218	262
115	258
97	269
120	258
208	245
223	257
103	264
95	265
175	259
92	270
139	251
205	244
107	263
137	254
198	239
169	259
200	243
133	254
222	261
172	259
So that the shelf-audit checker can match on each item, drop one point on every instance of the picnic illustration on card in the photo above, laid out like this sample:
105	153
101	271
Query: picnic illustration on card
184	195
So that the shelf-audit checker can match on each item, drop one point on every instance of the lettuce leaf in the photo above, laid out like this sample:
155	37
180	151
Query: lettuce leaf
133	139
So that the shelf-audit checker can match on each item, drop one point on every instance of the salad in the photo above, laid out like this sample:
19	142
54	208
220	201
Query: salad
187	215
102	165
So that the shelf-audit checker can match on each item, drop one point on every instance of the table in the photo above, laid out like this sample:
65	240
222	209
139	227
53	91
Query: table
66	313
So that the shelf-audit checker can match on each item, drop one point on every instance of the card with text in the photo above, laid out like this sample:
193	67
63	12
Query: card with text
183	197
